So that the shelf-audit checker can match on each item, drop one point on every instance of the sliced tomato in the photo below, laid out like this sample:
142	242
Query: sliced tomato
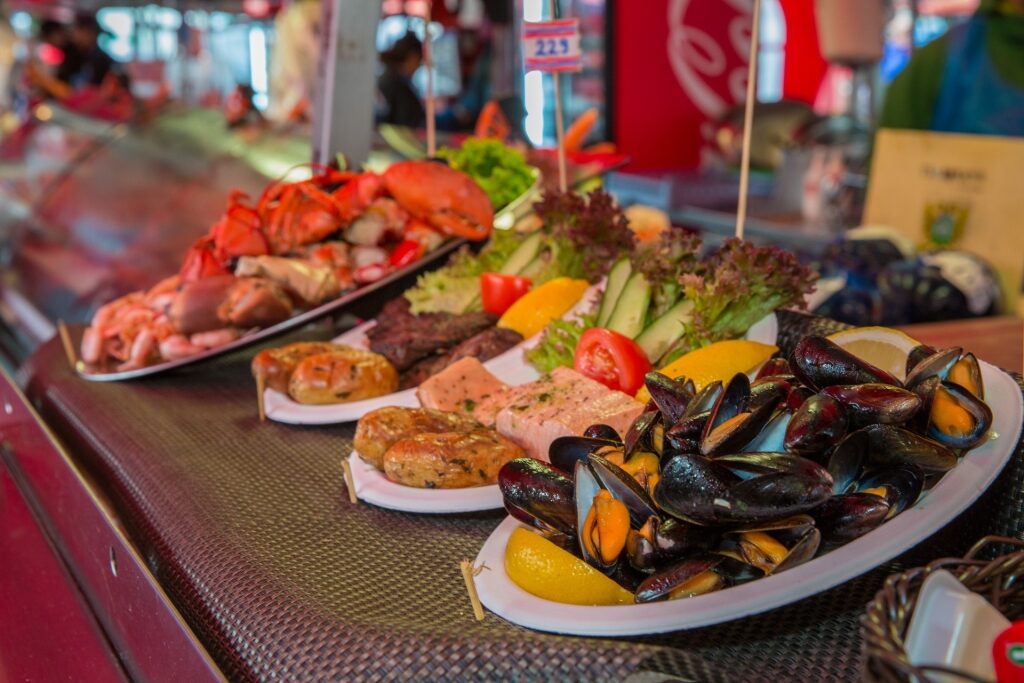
499	291
405	253
612	359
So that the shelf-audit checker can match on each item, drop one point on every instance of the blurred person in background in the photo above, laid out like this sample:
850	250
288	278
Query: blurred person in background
196	78
293	61
400	104
970	80
7	40
93	64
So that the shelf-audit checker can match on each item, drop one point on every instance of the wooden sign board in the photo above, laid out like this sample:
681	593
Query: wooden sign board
953	191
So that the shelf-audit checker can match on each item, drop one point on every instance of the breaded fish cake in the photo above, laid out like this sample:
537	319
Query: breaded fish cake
449	460
378	430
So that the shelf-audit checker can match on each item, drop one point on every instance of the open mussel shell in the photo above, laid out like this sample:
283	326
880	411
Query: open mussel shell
642	432
604	432
818	425
676	578
967	373
957	418
704	399
623	487
659	542
537	494
732	423
867	404
848	516
671	396
900	486
819	363
566	451
777	546
709	492
588	524
916	355
772	438
878	446
936	365
684	436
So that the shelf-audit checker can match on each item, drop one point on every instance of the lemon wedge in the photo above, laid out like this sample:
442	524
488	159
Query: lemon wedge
541	568
719	361
883	347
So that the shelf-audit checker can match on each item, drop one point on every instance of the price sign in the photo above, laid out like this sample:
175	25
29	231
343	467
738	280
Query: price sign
552	45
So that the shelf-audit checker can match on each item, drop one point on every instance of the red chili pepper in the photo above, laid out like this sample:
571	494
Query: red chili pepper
405	253
499	291
612	359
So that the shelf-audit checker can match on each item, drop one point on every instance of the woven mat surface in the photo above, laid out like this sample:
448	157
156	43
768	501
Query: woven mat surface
249	529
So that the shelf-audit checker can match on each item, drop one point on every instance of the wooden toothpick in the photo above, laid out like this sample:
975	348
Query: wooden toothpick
350	482
69	348
468	574
428	62
261	389
748	119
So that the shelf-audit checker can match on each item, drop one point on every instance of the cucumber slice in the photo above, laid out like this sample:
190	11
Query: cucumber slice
617	278
660	335
526	252
631	308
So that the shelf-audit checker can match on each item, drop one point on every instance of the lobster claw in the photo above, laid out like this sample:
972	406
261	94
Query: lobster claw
201	261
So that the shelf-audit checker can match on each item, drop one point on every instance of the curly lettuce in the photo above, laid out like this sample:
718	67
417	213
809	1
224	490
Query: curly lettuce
558	343
500	170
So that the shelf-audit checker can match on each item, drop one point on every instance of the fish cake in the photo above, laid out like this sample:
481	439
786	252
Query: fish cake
277	365
378	430
342	375
449	460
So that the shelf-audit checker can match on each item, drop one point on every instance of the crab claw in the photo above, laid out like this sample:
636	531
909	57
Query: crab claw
201	261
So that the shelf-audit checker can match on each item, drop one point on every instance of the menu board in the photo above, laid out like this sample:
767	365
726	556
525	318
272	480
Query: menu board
953	191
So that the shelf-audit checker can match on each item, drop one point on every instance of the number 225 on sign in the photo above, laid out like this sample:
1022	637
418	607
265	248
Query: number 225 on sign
552	45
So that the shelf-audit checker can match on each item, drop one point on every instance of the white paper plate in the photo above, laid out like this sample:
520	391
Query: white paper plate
951	496
373	487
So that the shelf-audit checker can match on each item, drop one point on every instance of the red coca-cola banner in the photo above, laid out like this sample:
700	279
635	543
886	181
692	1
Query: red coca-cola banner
679	64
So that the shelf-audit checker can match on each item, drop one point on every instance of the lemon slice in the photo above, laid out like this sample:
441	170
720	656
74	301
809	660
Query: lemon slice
540	567
718	361
883	347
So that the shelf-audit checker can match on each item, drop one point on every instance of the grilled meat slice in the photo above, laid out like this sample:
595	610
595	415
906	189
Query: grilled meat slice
484	346
405	340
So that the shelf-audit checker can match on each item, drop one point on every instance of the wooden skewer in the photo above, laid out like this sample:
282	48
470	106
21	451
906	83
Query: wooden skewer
748	119
69	348
467	575
428	62
350	482
261	389
559	120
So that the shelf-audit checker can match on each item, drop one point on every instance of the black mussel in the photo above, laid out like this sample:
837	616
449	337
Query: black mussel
774	367
777	546
772	438
819	363
624	488
848	516
640	550
565	451
772	390
659	542
797	396
967	373
878	446
671	396
916	355
733	423
709	493
537	494
704	399
819	424
684	579
603	521
684	436
641	432
957	418
900	486
924	390
645	468
875	403
749	465
936	365
603	432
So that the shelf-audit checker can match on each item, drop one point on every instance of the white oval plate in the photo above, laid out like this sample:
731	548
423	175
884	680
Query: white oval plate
373	487
509	367
951	496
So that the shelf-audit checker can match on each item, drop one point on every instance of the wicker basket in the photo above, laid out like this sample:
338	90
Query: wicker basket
885	623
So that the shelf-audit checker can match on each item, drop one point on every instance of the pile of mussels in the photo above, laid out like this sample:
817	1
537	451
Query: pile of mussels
714	488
